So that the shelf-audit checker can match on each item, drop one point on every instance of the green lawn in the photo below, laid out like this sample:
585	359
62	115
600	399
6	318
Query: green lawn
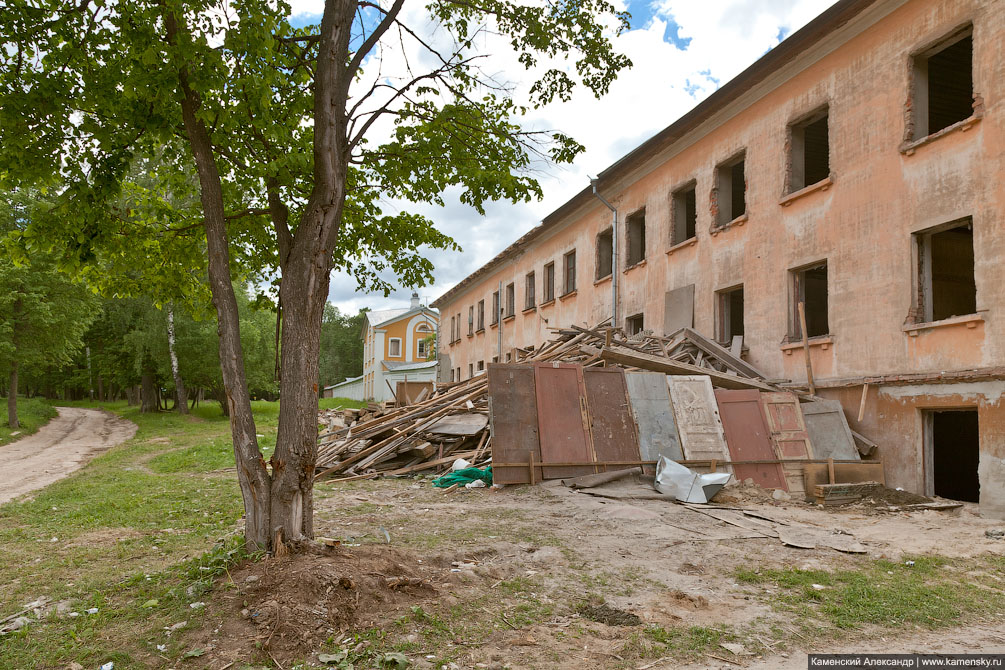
33	413
120	535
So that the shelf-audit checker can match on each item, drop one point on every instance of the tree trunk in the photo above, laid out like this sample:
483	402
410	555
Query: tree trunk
252	474
148	393
306	262
181	397
101	389
12	397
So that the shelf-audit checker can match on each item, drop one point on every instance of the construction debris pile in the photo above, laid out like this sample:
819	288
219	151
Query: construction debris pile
594	400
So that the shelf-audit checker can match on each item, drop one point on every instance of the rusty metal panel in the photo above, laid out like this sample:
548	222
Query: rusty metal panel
513	416
697	415
828	430
785	421
562	419
747	437
650	400
611	422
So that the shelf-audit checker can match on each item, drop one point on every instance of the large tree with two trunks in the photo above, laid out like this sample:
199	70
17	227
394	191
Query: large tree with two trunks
298	138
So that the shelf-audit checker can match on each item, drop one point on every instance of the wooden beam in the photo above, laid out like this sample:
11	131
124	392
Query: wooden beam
806	349
861	403
670	367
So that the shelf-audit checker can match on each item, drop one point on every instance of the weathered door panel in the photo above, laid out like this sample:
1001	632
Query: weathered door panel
562	419
747	437
828	430
788	434
657	430
785	421
611	422
697	416
513	416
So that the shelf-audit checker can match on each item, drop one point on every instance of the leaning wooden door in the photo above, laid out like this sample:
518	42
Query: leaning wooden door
614	438
697	416
650	400
562	420
748	438
513	413
788	434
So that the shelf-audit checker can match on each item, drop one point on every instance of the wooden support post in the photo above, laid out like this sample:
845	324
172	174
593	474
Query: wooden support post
861	404
830	471
713	464
530	464
806	348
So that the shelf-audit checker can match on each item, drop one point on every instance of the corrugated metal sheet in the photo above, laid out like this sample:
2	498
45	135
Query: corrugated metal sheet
611	422
747	437
562	419
657	430
513	413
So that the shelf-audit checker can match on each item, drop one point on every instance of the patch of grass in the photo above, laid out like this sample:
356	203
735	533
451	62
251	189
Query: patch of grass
925	591
125	526
344	403
687	643
32	413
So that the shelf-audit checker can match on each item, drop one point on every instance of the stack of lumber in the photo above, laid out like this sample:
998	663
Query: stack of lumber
452	423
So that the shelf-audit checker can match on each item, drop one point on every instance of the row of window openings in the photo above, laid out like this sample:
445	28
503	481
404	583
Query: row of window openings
943	96
946	288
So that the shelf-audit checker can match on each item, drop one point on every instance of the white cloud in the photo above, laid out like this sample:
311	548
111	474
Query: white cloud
664	83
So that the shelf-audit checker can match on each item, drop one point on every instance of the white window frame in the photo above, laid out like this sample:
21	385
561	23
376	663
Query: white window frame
390	347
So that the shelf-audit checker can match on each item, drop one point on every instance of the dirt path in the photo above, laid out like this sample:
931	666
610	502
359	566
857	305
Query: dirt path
61	446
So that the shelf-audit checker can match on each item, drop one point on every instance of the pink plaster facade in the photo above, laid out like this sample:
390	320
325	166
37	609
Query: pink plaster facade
862	221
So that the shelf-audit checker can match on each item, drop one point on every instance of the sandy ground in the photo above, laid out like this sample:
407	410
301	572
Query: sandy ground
493	555
61	446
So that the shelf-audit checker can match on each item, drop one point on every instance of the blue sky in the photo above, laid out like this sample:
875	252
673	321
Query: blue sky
683	50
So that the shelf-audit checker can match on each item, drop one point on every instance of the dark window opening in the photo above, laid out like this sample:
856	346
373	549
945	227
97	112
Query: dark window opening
510	300
731	189
453	329
635	227
810	288
471	370
685	214
946	272
570	272
549	282
495	308
955	454
605	253
529	300
634	324
809	152
495	359
944	84
481	315
730	315
481	365
471	320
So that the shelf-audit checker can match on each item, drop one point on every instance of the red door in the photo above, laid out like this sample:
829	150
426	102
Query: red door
513	411
611	423
748	439
785	421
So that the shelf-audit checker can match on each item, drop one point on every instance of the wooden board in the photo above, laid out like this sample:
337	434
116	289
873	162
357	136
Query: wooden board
645	361
406	393
513	416
816	473
828	430
562	419
460	424
747	437
650	401
697	416
788	435
611	422
678	309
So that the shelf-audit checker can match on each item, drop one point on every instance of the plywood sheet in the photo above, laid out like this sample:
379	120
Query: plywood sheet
678	309
747	437
562	420
697	416
460	424
611	422
828	430
513	416
657	430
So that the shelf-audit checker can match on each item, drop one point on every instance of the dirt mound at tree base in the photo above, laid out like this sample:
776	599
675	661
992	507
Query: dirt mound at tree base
287	607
